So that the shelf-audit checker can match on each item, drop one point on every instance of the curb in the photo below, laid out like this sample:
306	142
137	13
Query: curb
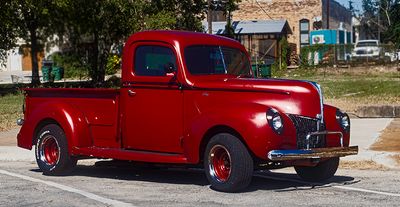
384	111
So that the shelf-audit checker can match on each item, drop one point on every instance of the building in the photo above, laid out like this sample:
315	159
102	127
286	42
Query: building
303	16
260	37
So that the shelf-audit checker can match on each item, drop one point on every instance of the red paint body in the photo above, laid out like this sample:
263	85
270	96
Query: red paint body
169	119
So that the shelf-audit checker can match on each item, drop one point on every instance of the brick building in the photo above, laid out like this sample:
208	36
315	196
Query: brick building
302	16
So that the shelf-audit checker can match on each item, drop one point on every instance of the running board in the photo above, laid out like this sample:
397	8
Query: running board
133	155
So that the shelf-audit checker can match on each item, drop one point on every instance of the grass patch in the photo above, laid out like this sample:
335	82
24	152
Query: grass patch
10	110
350	88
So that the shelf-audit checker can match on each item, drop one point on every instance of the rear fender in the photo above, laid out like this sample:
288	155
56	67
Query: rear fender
70	119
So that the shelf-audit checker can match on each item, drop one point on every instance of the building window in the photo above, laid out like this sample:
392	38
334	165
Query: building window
304	32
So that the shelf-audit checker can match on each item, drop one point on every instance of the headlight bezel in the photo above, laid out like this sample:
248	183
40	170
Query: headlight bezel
343	120
274	118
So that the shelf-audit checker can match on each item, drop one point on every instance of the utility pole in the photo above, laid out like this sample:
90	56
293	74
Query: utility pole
379	21
328	13
209	16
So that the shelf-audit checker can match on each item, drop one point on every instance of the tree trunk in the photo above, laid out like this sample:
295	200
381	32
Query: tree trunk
34	58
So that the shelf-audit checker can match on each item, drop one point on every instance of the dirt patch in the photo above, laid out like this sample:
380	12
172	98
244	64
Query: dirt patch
389	141
361	165
396	158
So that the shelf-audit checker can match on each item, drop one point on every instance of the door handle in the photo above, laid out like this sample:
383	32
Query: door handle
131	93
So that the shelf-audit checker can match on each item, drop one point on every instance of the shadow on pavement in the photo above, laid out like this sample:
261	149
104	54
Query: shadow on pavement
265	180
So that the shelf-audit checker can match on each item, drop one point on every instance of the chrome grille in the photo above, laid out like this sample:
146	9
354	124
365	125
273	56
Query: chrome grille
305	125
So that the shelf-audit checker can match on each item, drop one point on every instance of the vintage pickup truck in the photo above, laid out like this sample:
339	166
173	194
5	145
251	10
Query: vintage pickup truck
189	98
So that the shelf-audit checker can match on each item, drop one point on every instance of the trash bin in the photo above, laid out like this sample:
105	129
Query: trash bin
265	70
58	73
46	73
261	70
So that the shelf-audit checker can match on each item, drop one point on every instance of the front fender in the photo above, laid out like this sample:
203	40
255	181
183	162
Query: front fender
70	119
248	119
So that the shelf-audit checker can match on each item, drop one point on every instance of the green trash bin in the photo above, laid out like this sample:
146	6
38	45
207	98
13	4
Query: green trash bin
58	73
46	73
265	70
261	70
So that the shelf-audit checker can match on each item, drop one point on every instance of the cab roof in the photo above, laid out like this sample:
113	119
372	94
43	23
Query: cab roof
183	38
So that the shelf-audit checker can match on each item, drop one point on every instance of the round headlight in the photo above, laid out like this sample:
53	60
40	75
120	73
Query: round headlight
343	120
275	120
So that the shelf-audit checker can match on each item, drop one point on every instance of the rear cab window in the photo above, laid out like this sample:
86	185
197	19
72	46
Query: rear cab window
153	60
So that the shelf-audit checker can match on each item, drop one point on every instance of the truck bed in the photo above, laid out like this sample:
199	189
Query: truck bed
99	108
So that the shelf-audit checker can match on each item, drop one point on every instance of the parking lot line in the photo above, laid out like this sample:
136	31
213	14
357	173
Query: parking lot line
92	196
329	185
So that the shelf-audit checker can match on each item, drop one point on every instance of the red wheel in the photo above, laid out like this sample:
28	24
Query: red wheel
52	154
227	163
49	151
220	163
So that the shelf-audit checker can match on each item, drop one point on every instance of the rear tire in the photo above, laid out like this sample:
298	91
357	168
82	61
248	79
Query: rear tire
227	163
51	150
322	171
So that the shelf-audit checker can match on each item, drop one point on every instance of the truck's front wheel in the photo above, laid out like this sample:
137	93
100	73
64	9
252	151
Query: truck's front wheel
228	164
51	150
322	171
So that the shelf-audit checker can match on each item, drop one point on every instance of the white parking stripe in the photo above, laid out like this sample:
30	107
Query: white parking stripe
333	186
92	196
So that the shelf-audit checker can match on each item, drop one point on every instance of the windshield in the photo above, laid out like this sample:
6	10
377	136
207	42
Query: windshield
367	44
210	60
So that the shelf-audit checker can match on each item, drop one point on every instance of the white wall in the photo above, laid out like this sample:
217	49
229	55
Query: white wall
13	62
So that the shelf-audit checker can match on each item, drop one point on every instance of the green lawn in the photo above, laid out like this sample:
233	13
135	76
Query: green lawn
10	110
350	89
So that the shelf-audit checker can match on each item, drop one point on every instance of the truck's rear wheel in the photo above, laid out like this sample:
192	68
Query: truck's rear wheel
51	150
227	163
322	171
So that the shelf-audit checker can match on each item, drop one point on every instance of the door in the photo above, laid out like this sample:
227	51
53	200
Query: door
153	102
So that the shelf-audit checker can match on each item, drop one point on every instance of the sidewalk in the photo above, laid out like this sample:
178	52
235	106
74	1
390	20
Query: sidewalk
364	133
22	76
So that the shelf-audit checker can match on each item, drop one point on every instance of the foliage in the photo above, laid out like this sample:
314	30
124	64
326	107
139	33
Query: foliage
284	46
113	64
179	15
8	32
73	65
31	21
381	19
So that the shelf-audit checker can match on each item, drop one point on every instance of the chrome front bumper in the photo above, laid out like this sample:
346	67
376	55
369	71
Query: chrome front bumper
285	155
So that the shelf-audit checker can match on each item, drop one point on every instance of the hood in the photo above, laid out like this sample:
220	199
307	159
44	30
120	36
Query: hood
288	96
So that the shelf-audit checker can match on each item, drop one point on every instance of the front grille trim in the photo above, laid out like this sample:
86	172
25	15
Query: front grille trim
305	125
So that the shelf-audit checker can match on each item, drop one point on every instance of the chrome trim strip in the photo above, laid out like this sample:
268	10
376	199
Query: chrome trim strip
321	100
285	155
323	133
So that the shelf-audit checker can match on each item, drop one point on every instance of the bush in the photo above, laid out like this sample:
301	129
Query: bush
113	64
73	64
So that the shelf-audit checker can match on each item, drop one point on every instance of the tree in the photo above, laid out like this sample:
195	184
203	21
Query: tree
8	32
30	22
187	15
230	6
381	19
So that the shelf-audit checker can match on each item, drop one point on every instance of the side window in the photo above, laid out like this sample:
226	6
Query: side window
154	60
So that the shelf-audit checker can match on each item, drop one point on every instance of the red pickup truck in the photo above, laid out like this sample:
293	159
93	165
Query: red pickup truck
189	98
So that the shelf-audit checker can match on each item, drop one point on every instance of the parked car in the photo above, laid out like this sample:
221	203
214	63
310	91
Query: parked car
189	98
367	49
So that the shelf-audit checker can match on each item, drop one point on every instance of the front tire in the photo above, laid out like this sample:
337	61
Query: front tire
227	163
51	151
322	171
